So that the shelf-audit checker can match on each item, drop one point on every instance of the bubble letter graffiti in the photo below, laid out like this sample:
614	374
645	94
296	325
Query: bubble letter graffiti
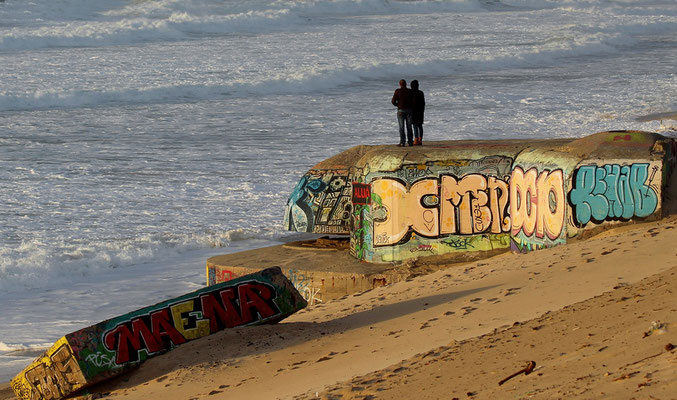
537	202
405	209
613	192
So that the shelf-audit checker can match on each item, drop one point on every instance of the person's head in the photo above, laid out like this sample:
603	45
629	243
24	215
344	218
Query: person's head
414	84
403	83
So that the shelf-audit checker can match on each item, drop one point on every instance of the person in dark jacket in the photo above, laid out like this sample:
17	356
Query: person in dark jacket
418	107
402	99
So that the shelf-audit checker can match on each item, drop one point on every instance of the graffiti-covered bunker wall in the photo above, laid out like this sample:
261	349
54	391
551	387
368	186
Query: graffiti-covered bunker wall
458	196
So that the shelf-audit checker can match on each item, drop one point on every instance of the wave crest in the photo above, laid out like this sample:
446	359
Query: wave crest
36	264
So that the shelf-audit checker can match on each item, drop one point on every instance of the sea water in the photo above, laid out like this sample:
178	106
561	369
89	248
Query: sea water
140	137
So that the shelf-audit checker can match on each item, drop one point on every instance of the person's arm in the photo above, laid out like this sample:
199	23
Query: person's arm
395	99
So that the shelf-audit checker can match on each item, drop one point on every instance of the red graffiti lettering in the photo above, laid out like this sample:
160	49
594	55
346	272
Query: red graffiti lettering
121	339
224	276
163	330
160	330
220	314
253	300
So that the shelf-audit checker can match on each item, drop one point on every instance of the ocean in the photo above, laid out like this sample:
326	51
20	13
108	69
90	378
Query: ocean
140	137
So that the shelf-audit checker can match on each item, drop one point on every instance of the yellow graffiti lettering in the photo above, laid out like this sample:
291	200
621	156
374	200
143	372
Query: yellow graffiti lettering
473	204
201	325
537	202
55	376
522	198
498	199
405	210
550	221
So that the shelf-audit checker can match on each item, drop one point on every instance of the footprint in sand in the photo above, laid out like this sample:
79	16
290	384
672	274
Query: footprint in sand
426	324
569	269
511	291
399	369
327	357
467	310
604	253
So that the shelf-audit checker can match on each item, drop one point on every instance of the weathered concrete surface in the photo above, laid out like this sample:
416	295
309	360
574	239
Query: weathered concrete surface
398	203
321	274
107	349
458	201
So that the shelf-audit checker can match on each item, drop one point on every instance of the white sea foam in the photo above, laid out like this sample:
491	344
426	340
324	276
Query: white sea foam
174	20
556	49
6	348
37	264
77	24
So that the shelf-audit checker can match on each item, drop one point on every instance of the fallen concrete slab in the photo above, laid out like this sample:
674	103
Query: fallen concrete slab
109	348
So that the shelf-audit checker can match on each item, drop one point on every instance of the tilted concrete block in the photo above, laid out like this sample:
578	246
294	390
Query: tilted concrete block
111	347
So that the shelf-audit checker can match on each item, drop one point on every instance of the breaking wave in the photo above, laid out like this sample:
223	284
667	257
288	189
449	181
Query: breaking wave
37	264
310	80
67	25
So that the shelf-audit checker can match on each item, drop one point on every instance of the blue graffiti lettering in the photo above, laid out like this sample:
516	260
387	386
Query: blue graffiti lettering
613	192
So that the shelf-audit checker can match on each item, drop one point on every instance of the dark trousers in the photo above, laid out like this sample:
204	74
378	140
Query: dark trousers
404	116
418	130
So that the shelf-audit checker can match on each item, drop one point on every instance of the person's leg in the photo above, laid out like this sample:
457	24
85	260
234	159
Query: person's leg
417	133
410	134
400	121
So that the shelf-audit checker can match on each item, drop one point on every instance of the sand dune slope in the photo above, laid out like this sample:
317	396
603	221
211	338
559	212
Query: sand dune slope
595	316
583	308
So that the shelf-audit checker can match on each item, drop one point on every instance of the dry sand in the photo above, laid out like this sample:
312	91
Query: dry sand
595	316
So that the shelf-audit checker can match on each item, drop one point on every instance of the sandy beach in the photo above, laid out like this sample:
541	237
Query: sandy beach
596	316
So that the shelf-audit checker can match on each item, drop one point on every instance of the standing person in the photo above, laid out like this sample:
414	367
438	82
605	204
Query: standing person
402	99
418	107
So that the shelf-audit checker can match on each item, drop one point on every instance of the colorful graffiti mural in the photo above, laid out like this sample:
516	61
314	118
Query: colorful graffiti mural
613	192
218	275
321	203
109	348
537	203
531	196
426	209
469	205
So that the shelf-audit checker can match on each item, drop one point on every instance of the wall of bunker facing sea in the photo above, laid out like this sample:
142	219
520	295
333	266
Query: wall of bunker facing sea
478	196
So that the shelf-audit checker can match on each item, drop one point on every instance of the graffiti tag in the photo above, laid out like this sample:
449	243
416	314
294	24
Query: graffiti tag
537	202
466	206
58	380
613	191
100	360
162	329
